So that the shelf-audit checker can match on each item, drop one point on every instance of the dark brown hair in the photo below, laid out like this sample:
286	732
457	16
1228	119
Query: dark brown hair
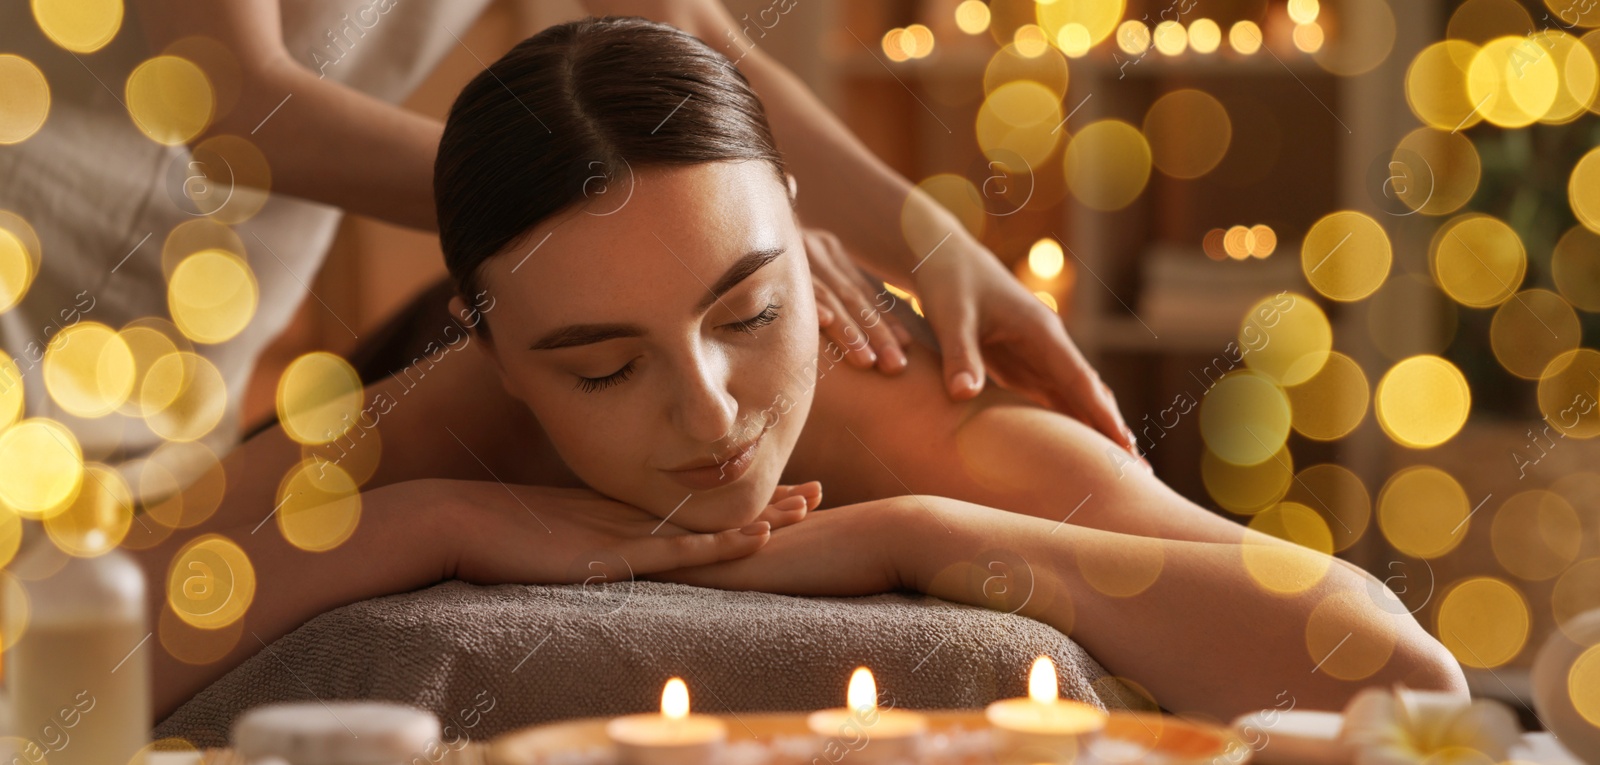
572	108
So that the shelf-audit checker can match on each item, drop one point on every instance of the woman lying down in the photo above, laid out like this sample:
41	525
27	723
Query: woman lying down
649	386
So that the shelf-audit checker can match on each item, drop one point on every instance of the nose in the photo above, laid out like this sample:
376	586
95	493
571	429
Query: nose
703	408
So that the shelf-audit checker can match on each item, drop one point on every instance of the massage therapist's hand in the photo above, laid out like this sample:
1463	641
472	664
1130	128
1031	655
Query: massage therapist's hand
509	533
851	310
982	315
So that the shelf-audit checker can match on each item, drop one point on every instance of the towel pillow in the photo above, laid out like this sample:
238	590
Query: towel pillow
489	660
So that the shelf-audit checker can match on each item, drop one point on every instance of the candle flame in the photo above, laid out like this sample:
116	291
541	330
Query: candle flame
1042	681
675	699
863	692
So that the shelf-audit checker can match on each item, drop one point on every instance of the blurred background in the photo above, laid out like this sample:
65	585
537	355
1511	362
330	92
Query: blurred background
1338	260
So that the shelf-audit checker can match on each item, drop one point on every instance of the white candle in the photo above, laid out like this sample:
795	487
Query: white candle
867	733
673	737
1042	726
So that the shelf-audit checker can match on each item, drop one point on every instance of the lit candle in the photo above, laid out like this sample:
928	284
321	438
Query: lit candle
673	737
866	732
1042	726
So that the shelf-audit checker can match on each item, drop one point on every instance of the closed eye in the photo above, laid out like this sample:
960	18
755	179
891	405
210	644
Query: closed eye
750	325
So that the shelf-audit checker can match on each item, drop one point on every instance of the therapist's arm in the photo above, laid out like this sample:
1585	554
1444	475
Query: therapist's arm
328	142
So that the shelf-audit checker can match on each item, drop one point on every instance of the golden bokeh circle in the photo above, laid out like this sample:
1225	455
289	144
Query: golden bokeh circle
41	467
1244	418
1483	621
319	506
1345	255
1423	512
211	582
98	519
1008	65
1513	81
1583	684
192	236
1477	260
952	192
170	99
1020	119
1135	568
1441	171
10	535
319	398
1339	496
1575	593
1568	396
1333	402
147	344
185	396
16	270
11	391
1107	164
1579	76
1189	132
1422	402
182	484
1536	535
1583	190
1575	267
1291	345
1285	551
80	26
1436	85
1343	641
1531	330
1247	489
231	179
24	99
88	369
1097	18
1349	50
212	296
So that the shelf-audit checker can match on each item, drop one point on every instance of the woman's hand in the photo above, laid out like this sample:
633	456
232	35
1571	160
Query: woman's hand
850	308
841	551
542	535
980	312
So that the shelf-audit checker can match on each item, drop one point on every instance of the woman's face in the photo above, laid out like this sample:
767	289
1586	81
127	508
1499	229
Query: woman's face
660	330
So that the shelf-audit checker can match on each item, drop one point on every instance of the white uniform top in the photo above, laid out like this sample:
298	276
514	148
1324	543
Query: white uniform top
98	193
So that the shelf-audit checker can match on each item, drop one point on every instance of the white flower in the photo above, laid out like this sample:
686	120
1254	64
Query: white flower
1403	726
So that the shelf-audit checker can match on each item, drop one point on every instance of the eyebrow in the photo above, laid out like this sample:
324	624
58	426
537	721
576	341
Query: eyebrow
586	334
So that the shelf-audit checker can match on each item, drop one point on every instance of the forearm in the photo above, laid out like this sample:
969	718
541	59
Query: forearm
395	548
364	155
1146	608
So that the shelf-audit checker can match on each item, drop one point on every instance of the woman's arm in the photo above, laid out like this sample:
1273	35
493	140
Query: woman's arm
1188	621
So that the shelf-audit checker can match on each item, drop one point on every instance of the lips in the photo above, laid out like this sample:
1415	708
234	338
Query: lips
718	474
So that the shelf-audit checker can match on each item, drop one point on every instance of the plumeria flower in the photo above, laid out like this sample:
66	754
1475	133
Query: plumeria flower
1403	727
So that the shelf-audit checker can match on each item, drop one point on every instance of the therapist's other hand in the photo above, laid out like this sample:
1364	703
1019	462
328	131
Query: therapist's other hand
510	533
850	309
982	315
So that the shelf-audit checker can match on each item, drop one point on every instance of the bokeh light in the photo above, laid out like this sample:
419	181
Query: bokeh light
1575	267
319	398
41	467
1339	496
1568	395
1345	255
212	295
1436	85
1483	621
1477	260
1289	345
972	16
1423	401
1188	131
1434	172
1423	512
184	395
1331	403
1530	330
88	369
1247	489
170	99
98	518
1583	190
211	582
80	26
1343	641
1536	535
1107	164
24	99
1245	418
319	506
